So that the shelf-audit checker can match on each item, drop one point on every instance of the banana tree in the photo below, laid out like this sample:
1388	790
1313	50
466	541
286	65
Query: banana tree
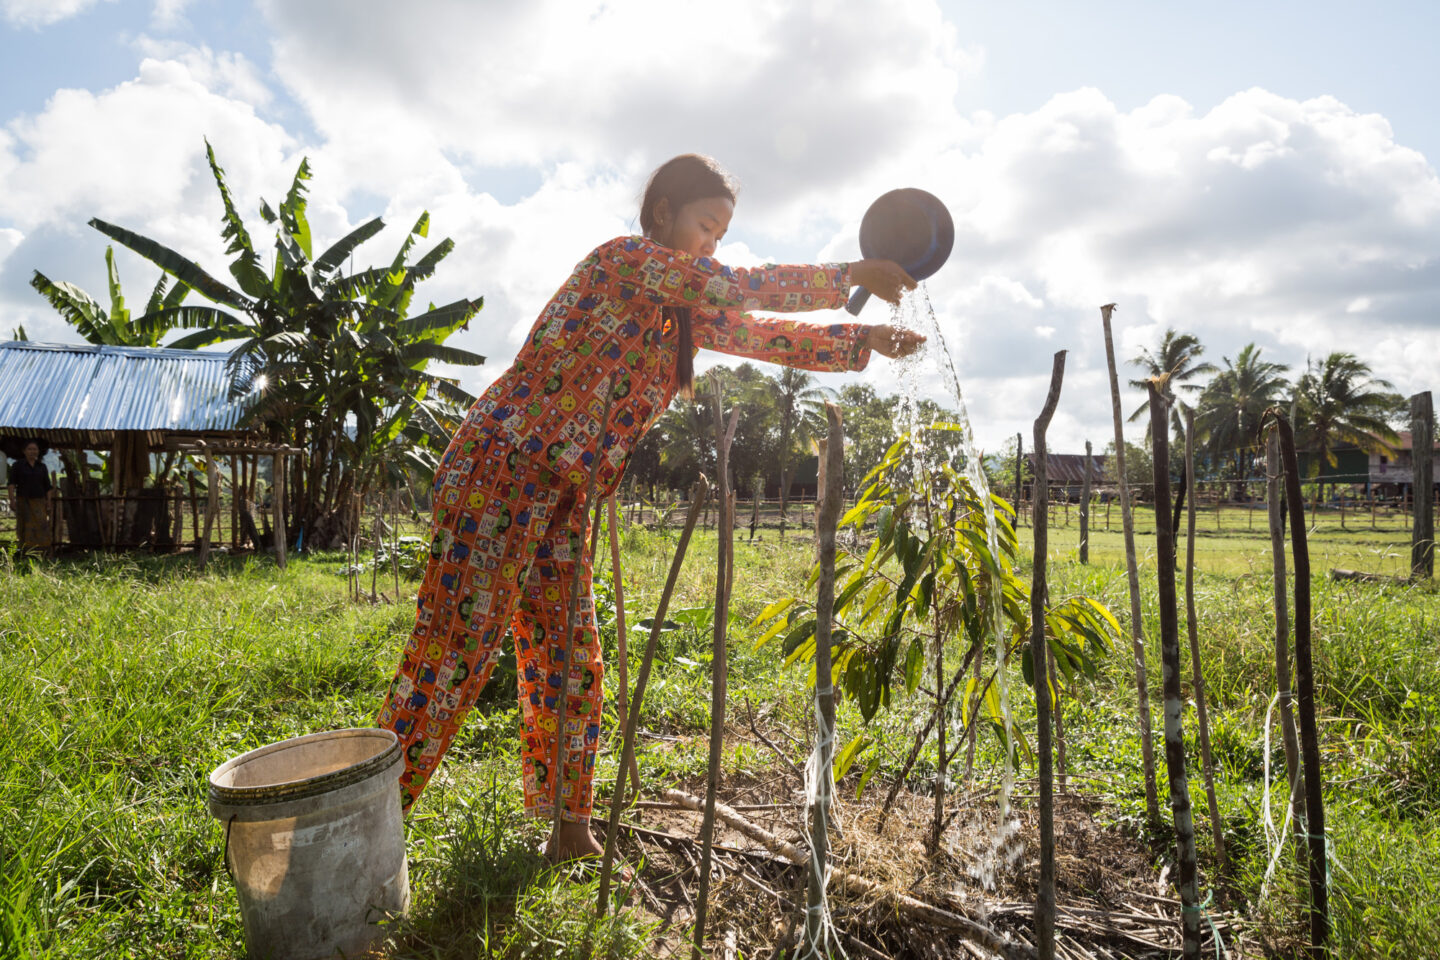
926	578
332	360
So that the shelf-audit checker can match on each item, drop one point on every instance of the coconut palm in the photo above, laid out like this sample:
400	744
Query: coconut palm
1232	405
800	403
1338	401
342	363
1178	356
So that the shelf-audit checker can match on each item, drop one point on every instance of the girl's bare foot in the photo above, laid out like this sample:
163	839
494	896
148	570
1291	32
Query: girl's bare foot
573	842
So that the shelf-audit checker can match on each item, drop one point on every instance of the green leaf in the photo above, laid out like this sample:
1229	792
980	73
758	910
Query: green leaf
870	770
914	664
846	757
773	610
182	269
330	261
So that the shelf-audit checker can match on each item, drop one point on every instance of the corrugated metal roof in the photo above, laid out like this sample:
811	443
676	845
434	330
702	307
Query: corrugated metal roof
61	386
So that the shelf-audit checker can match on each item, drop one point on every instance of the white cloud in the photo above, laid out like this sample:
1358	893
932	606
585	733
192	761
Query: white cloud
168	14
42	13
526	130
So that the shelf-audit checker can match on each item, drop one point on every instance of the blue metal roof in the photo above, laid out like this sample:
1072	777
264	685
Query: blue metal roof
61	386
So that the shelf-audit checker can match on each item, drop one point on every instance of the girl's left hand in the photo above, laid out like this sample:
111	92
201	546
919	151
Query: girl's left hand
892	341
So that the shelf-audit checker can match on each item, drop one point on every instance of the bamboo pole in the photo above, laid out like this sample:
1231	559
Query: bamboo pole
1217	833
1085	507
1286	697
1170	658
1045	895
617	577
1422	537
719	665
1142	693
1305	677
699	493
833	450
572	609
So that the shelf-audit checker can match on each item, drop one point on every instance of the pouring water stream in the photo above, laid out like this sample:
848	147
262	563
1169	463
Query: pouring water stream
915	312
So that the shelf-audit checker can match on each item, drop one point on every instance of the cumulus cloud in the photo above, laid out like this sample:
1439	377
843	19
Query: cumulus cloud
526	130
42	13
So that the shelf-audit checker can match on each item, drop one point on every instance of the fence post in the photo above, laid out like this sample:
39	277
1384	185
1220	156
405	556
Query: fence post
1422	537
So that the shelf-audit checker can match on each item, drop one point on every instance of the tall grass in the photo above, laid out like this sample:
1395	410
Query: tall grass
125	682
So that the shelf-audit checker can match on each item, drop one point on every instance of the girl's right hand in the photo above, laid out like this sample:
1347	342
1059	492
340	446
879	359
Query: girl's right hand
885	279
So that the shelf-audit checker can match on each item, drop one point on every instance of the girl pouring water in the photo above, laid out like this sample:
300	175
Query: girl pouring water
612	347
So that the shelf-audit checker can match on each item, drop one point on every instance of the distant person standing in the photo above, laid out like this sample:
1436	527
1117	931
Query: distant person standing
30	494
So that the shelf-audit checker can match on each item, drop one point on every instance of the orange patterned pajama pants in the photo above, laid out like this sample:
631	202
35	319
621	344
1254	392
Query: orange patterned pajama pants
505	538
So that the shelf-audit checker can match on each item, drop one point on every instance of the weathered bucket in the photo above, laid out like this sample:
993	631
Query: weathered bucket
315	842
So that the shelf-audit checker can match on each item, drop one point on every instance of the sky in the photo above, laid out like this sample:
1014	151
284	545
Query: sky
1244	172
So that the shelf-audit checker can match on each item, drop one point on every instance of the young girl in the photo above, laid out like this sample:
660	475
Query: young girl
509	497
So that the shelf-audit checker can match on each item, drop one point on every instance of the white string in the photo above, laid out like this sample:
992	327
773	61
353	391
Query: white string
818	773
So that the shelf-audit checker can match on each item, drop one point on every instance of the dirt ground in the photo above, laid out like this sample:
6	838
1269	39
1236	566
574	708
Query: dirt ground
1112	901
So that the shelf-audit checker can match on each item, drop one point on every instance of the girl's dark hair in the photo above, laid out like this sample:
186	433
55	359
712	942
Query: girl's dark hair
681	180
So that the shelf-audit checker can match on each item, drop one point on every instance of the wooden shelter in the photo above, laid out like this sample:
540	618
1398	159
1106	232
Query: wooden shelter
147	410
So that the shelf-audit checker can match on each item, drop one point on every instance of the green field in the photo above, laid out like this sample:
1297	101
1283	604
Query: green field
127	680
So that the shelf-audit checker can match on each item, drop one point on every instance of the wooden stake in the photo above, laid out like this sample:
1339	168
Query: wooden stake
1217	834
212	504
617	576
1273	496
833	451
1422	537
1142	693
1170	658
277	498
1305	677
1019	476
719	663
1045	895
699	493
1085	507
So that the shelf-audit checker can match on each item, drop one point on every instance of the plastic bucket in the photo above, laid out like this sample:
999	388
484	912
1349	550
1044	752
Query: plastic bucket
315	842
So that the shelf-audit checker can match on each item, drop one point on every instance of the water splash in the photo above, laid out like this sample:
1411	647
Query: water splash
915	312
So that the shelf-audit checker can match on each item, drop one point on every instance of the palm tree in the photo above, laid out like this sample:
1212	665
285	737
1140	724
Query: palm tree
1232	405
800	402
1339	401
342	363
1178	357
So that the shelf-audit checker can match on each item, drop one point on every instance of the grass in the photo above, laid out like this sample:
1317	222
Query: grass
127	680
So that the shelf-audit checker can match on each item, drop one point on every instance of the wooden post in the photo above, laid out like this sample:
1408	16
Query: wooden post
1019	475
699	493
832	459
1305	677
212	502
719	665
622	656
277	501
1217	834
1422	537
194	510
1142	693
234	505
1045	896
1170	657
1085	507
1286	699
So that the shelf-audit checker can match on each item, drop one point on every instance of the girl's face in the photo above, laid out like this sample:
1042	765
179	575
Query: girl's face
697	227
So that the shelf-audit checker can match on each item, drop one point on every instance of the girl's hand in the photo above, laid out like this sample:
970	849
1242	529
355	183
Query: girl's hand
892	341
885	279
